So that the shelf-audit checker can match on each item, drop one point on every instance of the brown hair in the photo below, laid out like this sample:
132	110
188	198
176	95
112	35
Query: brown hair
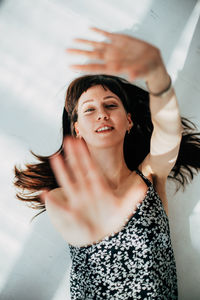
34	178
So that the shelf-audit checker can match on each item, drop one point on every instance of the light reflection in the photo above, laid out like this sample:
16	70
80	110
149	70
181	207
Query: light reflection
180	52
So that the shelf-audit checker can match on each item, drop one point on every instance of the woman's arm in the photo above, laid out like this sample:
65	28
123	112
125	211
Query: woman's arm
142	60
167	132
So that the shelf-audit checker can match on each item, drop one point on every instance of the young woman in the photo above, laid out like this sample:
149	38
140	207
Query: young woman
104	189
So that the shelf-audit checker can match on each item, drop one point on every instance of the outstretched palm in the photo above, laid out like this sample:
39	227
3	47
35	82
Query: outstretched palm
90	207
122	54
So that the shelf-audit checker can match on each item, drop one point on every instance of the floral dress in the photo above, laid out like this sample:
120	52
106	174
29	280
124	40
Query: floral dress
135	263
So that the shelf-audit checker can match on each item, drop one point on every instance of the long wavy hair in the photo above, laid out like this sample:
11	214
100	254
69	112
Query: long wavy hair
32	179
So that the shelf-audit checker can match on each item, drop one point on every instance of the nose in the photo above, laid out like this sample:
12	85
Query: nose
103	115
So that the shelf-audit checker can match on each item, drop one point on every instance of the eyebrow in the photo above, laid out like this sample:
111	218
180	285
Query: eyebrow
107	97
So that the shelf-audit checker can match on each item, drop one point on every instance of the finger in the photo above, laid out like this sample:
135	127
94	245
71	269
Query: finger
91	54
43	196
92	43
64	178
93	172
90	67
104	32
81	163
93	184
60	171
88	179
85	173
75	160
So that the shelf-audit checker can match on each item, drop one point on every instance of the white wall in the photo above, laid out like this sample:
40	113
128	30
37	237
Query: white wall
34	75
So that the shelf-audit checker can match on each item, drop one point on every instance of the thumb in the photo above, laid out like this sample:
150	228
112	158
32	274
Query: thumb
43	196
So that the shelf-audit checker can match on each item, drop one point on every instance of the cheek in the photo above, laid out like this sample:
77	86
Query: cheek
86	124
121	120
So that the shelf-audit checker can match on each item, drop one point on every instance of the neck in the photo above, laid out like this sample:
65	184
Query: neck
111	164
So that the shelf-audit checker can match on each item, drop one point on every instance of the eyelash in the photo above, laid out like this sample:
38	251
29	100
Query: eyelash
110	105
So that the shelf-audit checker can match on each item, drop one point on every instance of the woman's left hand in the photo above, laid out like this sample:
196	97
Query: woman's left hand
124	54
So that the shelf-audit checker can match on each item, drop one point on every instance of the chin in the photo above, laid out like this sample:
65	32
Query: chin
104	142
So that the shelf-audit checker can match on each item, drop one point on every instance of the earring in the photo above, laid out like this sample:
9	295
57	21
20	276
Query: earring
78	136
129	129
77	133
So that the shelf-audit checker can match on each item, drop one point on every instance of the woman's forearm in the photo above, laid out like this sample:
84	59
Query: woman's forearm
165	113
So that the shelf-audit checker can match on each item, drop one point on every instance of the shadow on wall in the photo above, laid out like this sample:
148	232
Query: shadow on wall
186	251
41	267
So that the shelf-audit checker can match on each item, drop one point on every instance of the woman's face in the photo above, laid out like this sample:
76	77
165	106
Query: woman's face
99	108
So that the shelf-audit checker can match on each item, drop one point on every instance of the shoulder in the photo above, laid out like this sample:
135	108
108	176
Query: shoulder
158	183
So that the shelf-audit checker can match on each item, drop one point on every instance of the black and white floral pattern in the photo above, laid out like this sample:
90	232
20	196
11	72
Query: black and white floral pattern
135	263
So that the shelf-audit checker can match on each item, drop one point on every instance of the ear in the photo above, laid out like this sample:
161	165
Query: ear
130	122
76	127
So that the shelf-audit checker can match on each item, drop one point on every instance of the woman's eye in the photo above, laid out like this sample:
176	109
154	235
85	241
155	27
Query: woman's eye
108	106
111	105
89	109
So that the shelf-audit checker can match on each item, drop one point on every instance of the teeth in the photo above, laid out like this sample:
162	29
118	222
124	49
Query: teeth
104	128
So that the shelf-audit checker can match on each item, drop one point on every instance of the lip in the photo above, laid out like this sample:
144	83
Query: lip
104	125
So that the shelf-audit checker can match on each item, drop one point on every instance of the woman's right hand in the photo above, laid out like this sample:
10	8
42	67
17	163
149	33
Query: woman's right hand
84	209
72	224
71	227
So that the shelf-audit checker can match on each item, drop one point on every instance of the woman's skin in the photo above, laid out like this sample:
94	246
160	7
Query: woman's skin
97	191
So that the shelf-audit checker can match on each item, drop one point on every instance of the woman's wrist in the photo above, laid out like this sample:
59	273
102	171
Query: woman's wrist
159	83
161	93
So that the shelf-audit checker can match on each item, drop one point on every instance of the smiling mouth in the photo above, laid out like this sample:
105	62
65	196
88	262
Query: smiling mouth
105	130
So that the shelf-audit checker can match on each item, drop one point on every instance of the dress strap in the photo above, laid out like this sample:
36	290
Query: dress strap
146	180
